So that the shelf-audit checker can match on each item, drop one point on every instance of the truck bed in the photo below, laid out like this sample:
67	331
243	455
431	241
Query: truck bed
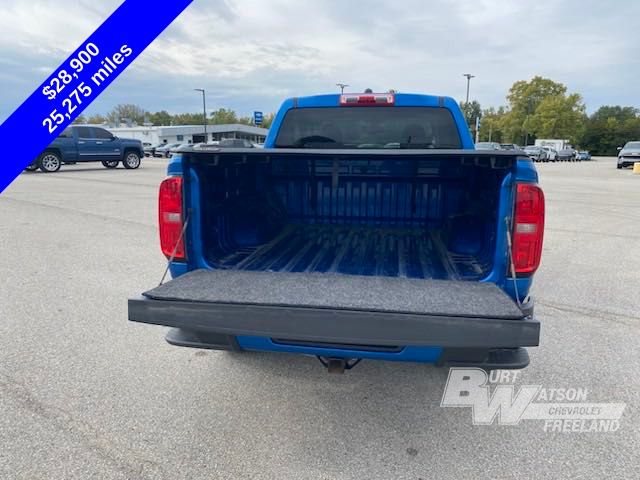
358	250
392	213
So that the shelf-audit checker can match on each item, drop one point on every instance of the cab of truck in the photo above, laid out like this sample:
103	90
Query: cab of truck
368	227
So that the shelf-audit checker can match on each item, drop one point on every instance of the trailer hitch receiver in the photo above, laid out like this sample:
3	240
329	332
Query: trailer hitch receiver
338	365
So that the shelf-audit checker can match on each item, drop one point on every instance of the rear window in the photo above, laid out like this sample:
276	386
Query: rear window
368	127
102	134
84	132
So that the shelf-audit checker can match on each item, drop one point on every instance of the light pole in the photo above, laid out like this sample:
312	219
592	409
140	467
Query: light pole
469	77
342	86
466	103
204	112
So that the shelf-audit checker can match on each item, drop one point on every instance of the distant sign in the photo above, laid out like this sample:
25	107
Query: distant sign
257	118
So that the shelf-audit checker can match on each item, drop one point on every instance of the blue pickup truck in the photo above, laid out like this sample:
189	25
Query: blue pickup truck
89	144
368	227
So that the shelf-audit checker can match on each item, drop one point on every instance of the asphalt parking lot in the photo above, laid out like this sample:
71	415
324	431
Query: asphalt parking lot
86	394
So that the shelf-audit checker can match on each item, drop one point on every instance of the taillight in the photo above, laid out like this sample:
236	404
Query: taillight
367	99
170	218
528	228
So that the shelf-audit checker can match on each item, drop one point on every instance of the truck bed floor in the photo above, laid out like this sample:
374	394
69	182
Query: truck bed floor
356	250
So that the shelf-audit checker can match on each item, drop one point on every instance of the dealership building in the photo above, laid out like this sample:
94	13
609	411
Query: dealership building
191	133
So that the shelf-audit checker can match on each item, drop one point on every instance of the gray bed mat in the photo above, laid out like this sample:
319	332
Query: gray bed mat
341	292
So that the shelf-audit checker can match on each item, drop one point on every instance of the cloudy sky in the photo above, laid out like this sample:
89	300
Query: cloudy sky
250	54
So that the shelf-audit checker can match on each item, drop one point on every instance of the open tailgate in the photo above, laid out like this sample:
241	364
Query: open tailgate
353	309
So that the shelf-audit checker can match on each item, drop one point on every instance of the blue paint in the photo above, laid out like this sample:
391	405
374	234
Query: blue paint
407	354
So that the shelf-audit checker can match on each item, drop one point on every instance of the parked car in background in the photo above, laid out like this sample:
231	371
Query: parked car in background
488	146
163	151
176	149
510	146
212	144
583	155
80	143
629	154
235	143
537	154
150	149
552	155
566	155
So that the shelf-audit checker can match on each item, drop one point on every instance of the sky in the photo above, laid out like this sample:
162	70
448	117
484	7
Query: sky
251	54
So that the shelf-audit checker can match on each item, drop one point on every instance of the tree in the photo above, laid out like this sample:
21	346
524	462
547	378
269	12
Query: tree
471	111
525	97
540	107
621	114
97	119
558	116
491	128
267	120
126	113
610	127
223	116
161	118
80	119
188	119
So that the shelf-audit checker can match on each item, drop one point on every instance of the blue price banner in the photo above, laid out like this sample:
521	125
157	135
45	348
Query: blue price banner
82	77
257	118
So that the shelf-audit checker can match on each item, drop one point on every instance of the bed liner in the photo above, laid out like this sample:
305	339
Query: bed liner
356	250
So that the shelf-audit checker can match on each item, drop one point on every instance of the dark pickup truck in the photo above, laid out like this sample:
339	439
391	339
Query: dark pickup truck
89	144
368	227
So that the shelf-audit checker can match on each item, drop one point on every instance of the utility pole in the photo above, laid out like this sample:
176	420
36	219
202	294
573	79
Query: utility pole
469	77
341	86
204	112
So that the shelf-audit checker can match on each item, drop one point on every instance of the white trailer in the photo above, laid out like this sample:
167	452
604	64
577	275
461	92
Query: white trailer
557	145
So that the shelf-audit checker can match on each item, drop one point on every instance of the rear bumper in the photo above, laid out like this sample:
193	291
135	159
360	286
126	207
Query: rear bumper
337	326
487	358
627	162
